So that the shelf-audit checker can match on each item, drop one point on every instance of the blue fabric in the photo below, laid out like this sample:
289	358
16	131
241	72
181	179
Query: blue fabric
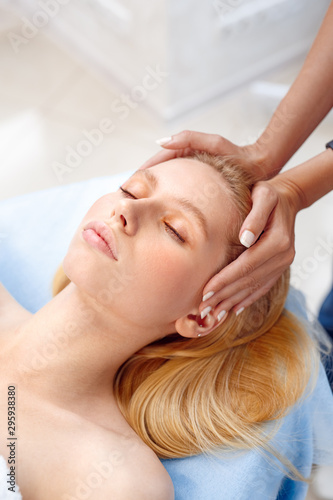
35	230
326	314
325	317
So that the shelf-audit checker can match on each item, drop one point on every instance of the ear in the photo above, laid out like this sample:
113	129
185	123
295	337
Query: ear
193	326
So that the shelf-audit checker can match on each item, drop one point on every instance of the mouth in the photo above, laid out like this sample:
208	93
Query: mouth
99	235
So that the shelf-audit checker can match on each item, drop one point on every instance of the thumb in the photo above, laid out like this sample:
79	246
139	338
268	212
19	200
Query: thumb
200	141
264	199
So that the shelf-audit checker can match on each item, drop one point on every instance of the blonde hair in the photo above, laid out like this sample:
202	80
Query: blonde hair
185	396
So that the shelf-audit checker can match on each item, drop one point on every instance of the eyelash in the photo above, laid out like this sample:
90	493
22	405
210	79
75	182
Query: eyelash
169	228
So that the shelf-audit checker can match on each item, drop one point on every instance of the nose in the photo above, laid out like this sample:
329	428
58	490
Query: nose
126	213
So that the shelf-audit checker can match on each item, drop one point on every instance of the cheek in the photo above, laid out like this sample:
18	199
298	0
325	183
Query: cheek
167	284
169	272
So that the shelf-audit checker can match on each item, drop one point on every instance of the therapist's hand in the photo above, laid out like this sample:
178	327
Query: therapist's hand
186	142
254	272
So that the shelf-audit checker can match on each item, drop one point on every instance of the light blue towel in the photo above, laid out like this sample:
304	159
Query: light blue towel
35	231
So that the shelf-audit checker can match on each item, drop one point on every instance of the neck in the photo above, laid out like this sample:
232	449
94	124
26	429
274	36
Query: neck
71	349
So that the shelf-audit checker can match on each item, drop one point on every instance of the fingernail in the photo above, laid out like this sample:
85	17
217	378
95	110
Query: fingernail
247	238
205	312
221	315
163	141
239	311
207	296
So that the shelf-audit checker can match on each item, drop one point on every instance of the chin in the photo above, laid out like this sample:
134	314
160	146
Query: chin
80	265
87	271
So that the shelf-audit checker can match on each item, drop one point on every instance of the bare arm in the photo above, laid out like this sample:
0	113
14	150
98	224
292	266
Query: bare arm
307	102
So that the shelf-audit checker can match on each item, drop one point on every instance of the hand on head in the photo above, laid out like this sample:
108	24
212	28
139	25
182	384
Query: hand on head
187	142
269	229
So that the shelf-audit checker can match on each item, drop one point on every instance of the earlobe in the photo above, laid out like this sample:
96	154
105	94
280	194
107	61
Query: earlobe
193	326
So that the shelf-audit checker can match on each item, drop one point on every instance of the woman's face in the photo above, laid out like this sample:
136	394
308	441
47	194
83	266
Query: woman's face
168	224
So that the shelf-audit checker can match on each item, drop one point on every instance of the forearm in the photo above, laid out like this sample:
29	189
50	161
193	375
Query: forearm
310	180
307	102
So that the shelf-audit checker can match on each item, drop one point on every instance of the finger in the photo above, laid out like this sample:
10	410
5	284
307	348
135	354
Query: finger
252	282
272	247
159	157
264	201
233	293
248	282
199	141
187	141
163	156
244	265
253	297
245	298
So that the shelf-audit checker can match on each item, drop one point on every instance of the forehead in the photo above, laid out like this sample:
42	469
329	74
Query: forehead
186	176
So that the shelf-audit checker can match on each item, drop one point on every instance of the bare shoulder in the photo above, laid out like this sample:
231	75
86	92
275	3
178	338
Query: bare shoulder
113	466
150	481
145	481
139	474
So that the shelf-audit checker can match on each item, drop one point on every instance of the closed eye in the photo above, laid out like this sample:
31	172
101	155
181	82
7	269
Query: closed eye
173	232
168	228
127	193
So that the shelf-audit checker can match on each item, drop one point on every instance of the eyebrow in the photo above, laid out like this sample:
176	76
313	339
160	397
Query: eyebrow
183	202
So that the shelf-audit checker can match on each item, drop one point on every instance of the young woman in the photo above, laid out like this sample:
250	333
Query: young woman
139	370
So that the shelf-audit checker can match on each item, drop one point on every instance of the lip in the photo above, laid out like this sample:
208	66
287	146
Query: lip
105	233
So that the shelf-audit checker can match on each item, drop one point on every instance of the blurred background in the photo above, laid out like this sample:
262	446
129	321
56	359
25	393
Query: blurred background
86	86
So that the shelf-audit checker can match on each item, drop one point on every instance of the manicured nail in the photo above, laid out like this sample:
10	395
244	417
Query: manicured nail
163	141
239	311
205	312
221	315
247	238
207	296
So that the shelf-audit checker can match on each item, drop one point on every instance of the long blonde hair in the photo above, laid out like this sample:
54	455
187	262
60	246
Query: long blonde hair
185	396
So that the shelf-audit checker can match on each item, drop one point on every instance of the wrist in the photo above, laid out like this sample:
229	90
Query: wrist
313	179
270	155
260	160
290	192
